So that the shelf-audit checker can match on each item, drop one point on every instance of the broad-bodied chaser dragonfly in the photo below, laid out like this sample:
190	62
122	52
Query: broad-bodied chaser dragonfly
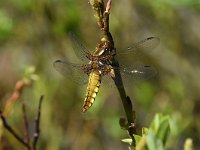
99	64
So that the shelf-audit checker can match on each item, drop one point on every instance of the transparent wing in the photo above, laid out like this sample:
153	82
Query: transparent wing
138	72
145	45
80	50
71	71
130	74
136	51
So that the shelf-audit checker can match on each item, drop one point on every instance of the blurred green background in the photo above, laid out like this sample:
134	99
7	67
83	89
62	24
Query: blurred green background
35	33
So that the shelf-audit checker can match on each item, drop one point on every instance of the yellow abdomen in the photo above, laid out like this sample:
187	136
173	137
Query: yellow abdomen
92	89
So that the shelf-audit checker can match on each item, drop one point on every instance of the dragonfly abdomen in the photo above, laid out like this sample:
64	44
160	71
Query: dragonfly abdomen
92	89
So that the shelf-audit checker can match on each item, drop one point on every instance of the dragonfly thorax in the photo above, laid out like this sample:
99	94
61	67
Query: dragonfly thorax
99	66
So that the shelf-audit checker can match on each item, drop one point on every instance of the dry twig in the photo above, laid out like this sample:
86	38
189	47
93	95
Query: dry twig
9	128
37	124
26	142
26	125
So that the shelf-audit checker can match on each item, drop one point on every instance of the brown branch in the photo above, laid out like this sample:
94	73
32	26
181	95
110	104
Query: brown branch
106	16
26	125
37	124
98	7
9	104
9	128
127	104
26	142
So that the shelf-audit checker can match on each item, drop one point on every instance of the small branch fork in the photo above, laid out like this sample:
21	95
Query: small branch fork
102	16
26	141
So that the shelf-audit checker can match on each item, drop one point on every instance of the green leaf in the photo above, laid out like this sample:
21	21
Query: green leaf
154	143
29	70
137	138
144	131
158	132
29	74
163	130
129	140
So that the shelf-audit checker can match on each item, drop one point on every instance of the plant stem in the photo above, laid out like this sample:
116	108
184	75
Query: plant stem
26	125
9	128
37	124
103	24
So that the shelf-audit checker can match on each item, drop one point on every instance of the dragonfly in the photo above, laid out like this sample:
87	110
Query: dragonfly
98	64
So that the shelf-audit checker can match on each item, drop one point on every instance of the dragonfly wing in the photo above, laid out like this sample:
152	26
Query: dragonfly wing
145	45
71	71
130	74
136	51
138	72
80	50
